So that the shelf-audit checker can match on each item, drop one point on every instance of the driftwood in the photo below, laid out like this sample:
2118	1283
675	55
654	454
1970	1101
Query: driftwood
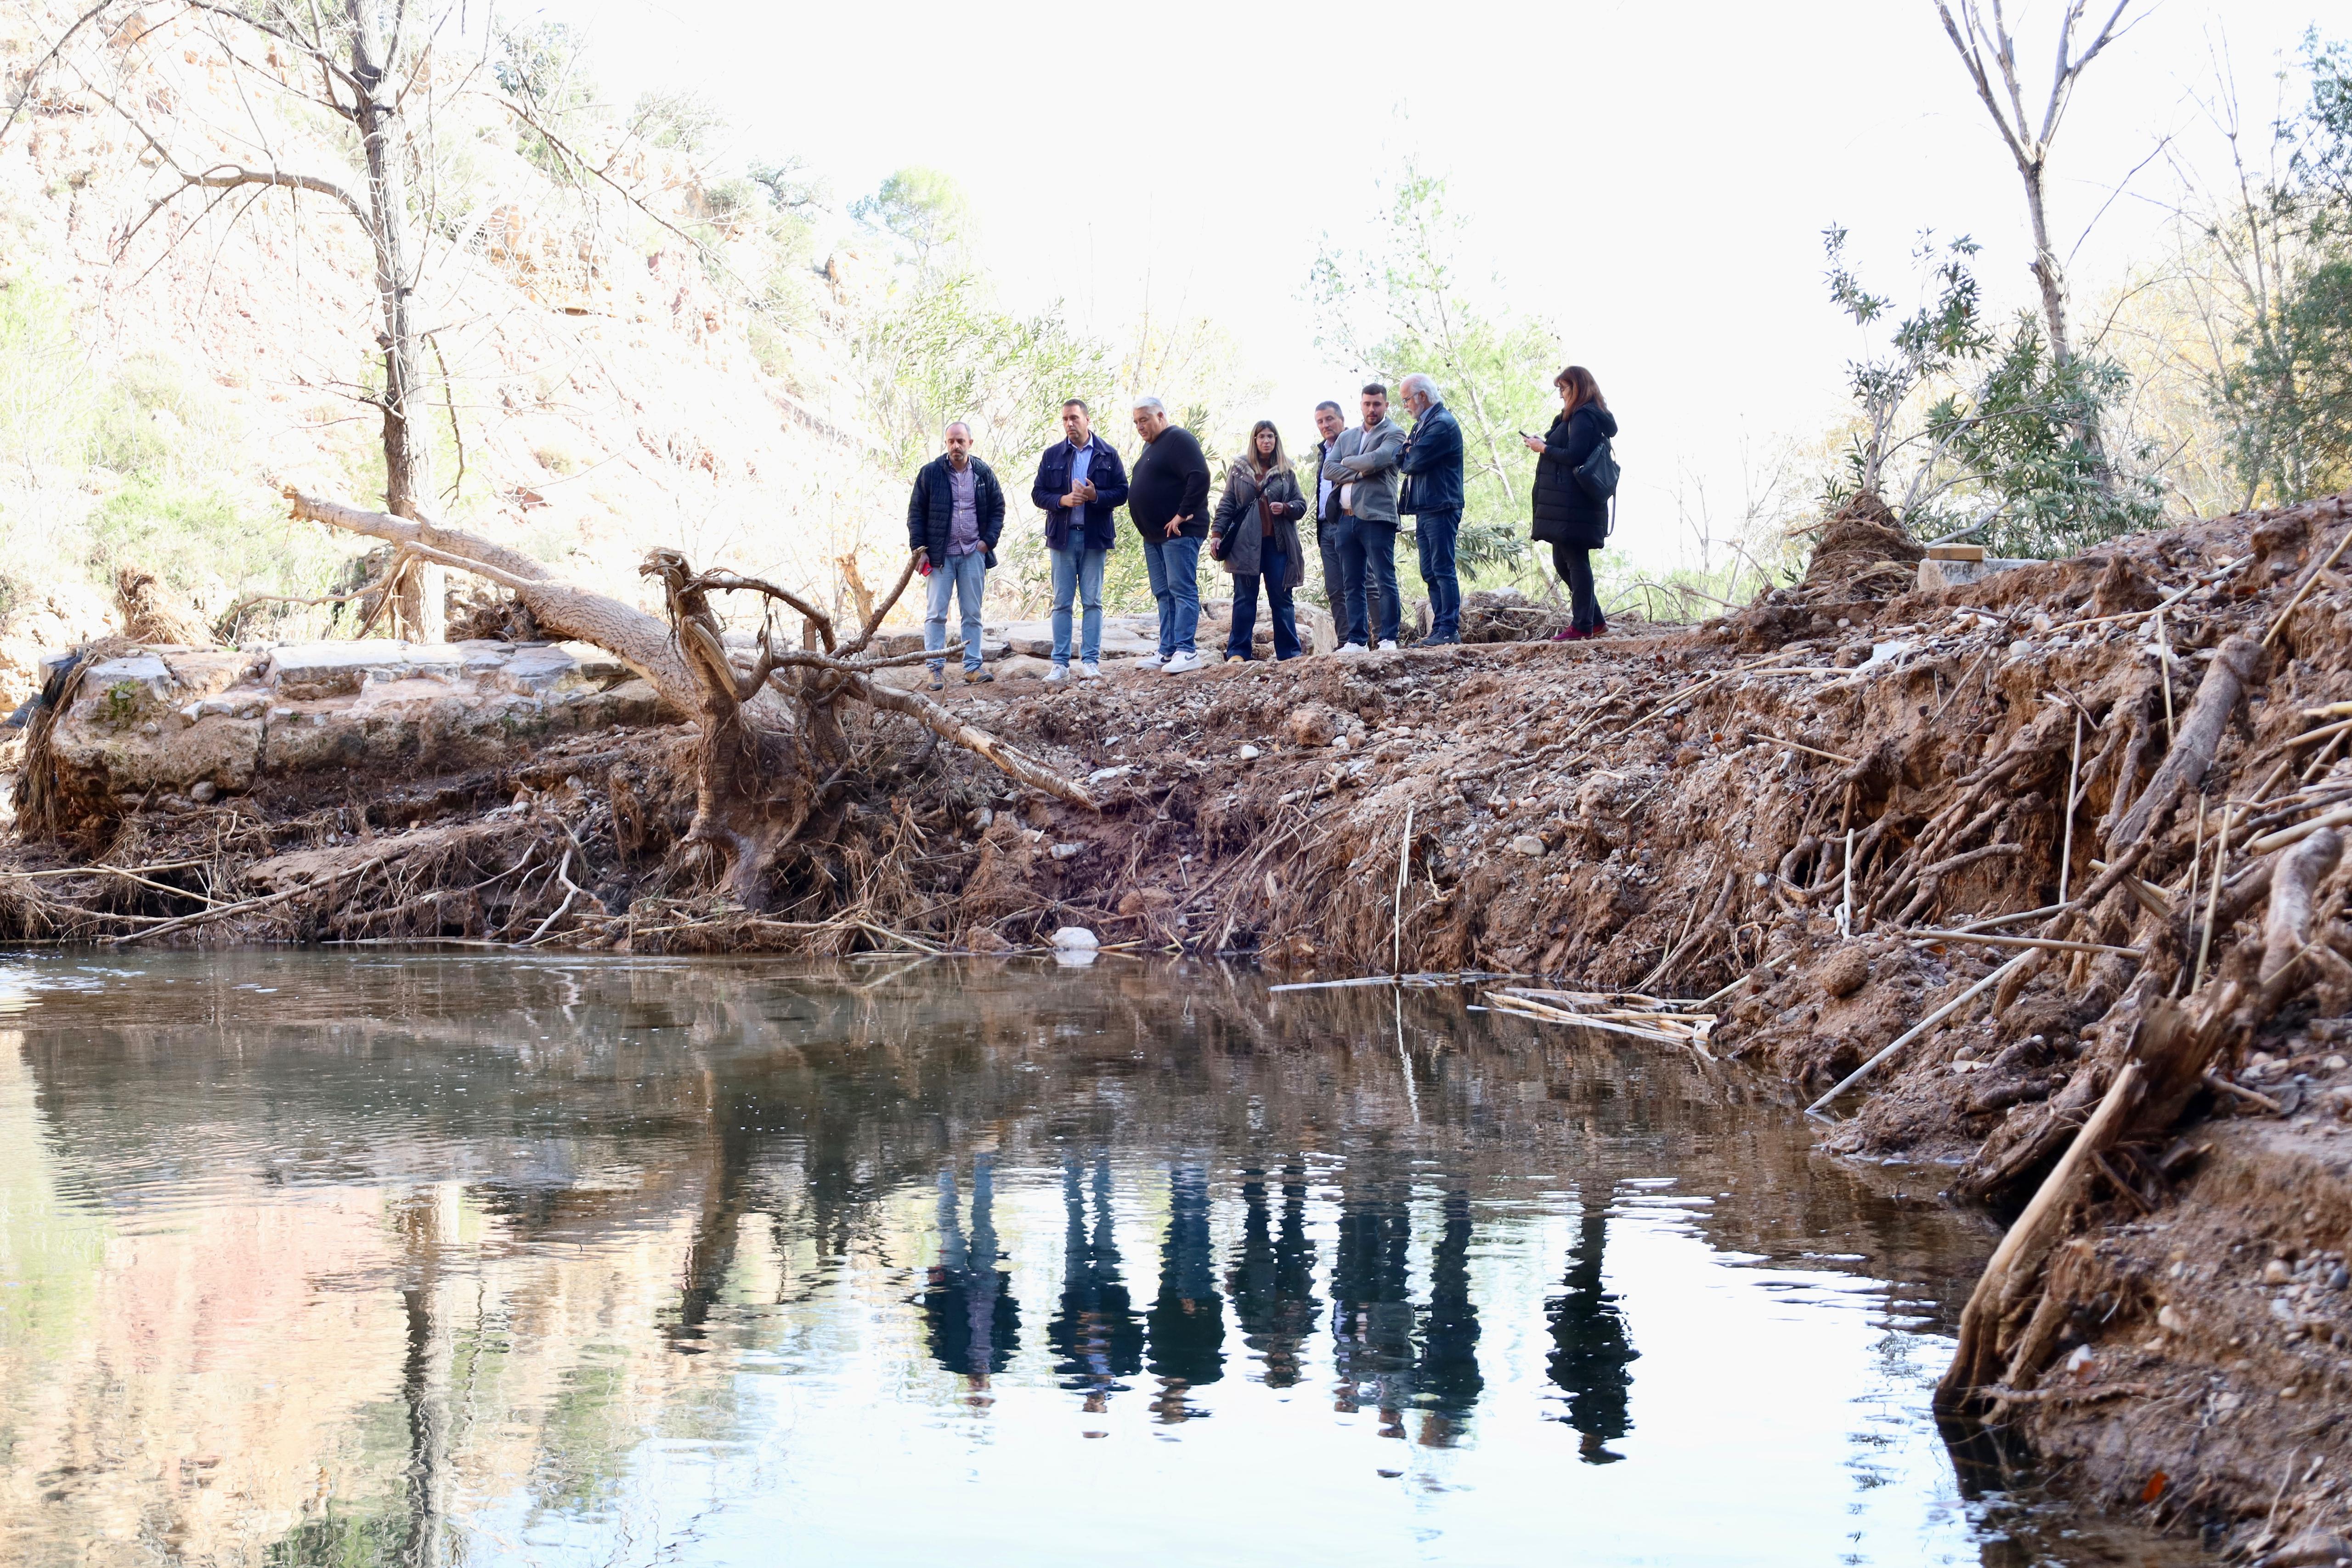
2195	740
770	749
2167	1061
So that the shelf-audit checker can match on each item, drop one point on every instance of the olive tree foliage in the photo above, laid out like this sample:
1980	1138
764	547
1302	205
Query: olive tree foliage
1965	424
1401	305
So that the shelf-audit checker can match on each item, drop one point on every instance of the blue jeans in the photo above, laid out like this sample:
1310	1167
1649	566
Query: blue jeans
1278	599
1435	531
1174	567
964	576
1369	548
1077	574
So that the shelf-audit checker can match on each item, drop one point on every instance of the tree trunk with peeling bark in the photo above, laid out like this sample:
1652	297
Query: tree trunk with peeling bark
772	747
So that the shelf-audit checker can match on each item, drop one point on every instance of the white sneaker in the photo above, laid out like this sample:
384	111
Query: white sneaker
1090	670
1057	675
1388	645
1347	647
1184	663
1151	661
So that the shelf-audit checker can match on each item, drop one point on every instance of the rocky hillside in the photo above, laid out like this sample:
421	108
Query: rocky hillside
165	363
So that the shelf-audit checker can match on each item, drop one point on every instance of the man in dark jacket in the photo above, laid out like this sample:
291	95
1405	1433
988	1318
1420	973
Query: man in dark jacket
1432	466
1080	484
1168	498
954	519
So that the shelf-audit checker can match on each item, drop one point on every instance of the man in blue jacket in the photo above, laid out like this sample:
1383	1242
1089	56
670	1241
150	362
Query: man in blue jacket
1432	466
954	519
1080	484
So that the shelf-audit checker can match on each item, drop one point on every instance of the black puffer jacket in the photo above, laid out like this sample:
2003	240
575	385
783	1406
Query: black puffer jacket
1564	513
930	509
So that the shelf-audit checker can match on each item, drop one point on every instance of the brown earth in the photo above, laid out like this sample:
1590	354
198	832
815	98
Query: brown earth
1679	814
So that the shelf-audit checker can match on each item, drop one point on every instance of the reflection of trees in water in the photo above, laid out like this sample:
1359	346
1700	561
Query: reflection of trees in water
1447	1378
1371	1312
1187	1323
1272	1276
1094	1335
608	1103
1591	1354
973	1322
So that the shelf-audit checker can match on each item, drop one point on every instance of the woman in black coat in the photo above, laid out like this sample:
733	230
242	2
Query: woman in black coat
1565	518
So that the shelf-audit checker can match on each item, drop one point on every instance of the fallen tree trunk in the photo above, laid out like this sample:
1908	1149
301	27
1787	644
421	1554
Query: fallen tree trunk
771	744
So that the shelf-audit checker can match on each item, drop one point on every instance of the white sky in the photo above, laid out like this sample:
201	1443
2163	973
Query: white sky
1651	179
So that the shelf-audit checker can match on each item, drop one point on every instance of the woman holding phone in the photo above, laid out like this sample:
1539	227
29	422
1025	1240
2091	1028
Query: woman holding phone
1565	518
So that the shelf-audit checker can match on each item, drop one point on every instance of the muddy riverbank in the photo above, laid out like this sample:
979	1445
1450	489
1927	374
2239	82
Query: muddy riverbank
1788	812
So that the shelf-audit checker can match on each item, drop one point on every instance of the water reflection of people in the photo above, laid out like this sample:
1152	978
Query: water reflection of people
1272	1277
968	1306
1188	1320
1593	1353
1094	1334
1447	1379
1371	1314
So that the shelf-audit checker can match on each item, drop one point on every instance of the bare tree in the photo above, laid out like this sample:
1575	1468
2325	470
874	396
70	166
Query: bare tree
388	71
1988	50
355	62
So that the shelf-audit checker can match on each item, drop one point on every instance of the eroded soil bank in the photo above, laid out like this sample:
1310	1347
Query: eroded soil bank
1790	812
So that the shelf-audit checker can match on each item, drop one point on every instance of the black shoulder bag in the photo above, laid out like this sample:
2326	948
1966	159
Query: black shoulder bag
1597	478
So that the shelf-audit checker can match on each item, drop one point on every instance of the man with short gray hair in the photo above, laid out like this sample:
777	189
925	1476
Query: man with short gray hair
1168	499
953	519
1431	467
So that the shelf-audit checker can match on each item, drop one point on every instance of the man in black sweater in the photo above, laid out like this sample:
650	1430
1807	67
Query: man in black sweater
1168	497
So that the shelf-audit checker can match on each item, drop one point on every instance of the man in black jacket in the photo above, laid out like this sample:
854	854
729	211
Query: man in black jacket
953	519
1168	497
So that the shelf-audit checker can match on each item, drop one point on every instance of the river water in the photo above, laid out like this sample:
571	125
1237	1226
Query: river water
312	1258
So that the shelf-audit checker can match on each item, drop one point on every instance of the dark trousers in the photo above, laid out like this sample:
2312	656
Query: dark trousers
1368	567
1435	531
1335	582
1277	573
1575	569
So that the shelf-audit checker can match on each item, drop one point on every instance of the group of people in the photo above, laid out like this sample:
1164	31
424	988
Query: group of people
1368	478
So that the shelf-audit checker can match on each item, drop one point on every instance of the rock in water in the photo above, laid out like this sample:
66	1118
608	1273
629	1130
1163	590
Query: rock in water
1076	939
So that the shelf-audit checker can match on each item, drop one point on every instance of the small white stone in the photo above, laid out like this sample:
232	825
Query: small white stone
1528	844
1250	753
1067	851
1076	938
203	792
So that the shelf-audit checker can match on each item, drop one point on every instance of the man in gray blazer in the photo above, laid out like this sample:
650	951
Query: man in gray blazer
1363	463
